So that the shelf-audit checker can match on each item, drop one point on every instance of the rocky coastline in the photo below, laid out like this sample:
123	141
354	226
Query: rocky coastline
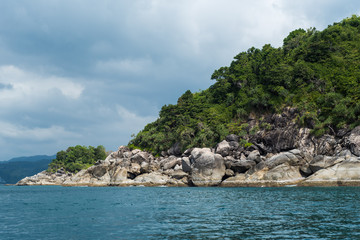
282	155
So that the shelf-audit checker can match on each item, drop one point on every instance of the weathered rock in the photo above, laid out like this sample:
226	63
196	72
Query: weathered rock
157	179
232	138
237	180
186	165
134	168
98	170
239	166
354	141
345	173
178	174
283	173
119	176
175	150
170	162
234	145
223	148
326	145
43	178
229	173
207	168
320	162
292	157
139	157
254	156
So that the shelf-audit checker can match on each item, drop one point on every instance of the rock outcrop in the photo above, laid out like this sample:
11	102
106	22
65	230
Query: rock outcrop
207	168
281	154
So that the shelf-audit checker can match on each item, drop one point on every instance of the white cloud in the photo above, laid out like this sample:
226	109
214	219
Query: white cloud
27	86
9	130
130	121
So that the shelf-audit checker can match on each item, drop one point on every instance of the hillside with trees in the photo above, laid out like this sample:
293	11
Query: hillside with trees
76	158
315	72
15	169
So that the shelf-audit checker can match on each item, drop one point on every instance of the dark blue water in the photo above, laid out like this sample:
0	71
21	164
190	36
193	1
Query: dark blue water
53	212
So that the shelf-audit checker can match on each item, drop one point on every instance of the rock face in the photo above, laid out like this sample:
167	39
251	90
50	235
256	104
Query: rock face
121	168
282	154
344	173
207	168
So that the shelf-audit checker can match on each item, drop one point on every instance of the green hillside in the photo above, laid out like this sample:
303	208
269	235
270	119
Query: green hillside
318	72
17	168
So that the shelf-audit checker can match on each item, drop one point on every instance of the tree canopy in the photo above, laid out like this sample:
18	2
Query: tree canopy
76	158
318	72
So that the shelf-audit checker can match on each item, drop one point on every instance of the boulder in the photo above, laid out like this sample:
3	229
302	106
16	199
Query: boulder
186	165
98	170
175	149
207	168
326	145
139	157
320	162
235	181
238	166
119	176
283	173
178	174
170	162
345	173
223	148
293	158
353	141
44	178
234	145
134	168
254	156
232	138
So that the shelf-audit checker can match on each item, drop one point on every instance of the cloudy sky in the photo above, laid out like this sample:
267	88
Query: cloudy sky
94	72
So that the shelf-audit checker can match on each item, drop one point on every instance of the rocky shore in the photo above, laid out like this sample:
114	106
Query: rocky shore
280	156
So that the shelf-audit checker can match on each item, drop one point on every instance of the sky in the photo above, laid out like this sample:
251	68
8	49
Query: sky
76	72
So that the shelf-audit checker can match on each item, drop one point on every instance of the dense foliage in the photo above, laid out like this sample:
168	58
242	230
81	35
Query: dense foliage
317	72
76	158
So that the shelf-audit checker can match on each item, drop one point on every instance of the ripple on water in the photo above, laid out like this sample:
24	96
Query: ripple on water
179	213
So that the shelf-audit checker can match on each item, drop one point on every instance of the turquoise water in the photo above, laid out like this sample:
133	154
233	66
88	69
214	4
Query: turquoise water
53	212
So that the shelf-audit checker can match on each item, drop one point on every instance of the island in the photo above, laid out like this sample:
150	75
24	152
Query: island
287	116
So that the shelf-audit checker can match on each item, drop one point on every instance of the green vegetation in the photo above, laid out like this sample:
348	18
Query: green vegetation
76	158
318	72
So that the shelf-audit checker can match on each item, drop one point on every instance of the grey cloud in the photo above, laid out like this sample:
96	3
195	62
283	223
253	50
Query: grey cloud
94	72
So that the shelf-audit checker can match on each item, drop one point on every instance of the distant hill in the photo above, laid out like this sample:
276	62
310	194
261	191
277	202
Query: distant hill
13	170
31	158
315	72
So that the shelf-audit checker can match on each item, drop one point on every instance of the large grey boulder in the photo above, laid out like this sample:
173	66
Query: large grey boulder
293	158
254	156
139	157
223	148
207	168
346	173
238	166
170	162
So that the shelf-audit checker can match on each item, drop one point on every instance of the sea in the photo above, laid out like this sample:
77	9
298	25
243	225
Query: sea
55	212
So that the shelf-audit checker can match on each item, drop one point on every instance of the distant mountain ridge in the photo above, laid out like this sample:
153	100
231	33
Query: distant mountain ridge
11	171
29	158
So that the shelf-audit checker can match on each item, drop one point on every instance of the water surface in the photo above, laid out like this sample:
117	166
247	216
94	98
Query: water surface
54	212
